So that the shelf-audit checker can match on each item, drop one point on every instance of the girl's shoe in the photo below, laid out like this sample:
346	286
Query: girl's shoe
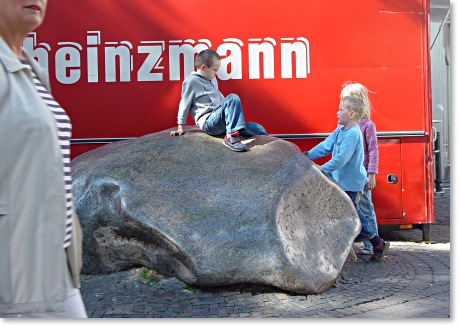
380	250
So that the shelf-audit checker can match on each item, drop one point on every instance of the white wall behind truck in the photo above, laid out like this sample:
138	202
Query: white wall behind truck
441	78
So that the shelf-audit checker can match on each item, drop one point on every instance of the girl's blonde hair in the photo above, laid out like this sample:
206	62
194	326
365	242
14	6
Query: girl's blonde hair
357	89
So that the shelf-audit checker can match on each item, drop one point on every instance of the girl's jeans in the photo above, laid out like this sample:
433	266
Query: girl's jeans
367	231
229	117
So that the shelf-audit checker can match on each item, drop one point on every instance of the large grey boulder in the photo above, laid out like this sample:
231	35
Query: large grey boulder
186	206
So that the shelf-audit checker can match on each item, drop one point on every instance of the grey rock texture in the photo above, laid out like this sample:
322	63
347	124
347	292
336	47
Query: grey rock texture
188	207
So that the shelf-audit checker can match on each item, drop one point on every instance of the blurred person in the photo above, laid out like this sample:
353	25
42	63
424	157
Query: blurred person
40	235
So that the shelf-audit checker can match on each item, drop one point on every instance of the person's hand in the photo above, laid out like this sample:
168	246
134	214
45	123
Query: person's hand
371	183
318	167
180	131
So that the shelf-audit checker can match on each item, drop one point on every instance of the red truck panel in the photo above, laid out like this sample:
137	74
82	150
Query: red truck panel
117	67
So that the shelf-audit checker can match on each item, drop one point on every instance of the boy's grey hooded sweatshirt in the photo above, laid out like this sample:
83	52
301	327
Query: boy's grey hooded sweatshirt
199	97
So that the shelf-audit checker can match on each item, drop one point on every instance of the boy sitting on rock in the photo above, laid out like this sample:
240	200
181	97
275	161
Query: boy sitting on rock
212	112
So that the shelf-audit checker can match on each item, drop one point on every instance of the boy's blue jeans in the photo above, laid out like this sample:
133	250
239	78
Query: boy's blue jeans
229	117
367	208
367	230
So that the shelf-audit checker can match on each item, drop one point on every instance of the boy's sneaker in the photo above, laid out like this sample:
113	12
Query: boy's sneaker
367	251
380	250
234	142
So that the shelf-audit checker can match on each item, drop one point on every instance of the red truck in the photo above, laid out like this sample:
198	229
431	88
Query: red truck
117	67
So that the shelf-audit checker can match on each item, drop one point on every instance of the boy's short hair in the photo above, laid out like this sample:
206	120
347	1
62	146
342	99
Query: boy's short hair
354	104
357	89
206	57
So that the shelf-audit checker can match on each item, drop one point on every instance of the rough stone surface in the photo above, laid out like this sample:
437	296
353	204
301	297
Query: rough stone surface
188	207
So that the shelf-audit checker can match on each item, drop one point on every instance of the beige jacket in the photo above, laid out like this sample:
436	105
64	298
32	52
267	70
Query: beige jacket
32	197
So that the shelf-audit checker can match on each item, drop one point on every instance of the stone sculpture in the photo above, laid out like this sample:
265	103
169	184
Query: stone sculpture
187	207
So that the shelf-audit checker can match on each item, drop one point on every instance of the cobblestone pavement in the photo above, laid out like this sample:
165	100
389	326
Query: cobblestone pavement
412	282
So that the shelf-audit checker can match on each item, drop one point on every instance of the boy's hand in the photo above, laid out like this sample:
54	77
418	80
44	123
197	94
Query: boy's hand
319	168
180	131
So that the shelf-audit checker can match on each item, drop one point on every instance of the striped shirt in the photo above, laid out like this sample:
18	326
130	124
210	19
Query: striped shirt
64	132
